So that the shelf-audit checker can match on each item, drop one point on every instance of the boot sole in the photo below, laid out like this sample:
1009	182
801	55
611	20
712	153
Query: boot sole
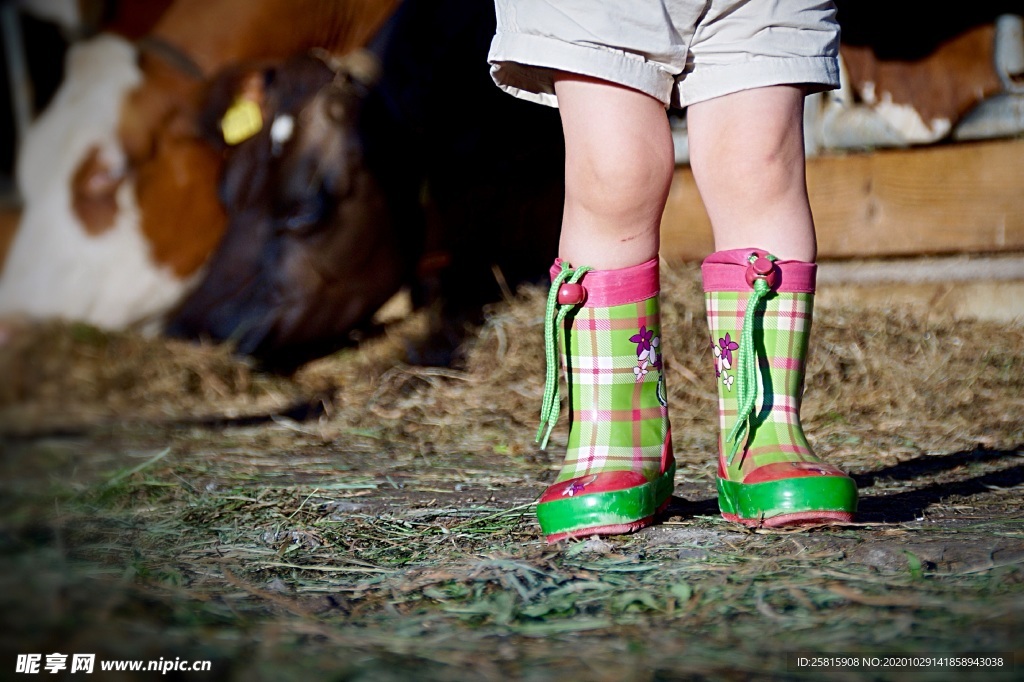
610	513
805	500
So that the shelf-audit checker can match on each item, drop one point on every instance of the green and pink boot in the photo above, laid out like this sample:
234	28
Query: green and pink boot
759	314
619	469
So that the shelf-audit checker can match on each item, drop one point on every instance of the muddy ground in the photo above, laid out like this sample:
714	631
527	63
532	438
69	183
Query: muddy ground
368	520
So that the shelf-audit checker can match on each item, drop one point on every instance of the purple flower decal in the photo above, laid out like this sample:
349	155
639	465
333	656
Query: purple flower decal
728	346
647	356
642	339
573	488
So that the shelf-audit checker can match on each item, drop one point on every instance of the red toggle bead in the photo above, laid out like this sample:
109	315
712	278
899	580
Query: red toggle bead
762	265
571	294
762	268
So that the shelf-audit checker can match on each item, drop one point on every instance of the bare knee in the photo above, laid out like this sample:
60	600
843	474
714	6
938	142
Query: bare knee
749	142
620	183
760	173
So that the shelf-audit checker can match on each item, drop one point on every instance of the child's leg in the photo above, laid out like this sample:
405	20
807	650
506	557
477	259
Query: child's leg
618	468
747	156
618	167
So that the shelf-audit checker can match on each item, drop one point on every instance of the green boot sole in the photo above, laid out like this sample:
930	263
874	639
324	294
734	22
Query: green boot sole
802	500
564	514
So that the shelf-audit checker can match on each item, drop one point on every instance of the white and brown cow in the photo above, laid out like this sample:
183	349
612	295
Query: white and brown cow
912	75
77	252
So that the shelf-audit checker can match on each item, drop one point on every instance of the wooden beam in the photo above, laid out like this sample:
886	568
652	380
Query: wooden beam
966	197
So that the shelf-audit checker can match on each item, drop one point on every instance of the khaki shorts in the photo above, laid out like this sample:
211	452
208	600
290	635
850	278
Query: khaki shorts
678	51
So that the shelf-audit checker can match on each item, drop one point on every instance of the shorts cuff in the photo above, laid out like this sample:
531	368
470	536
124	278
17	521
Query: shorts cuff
714	80
525	66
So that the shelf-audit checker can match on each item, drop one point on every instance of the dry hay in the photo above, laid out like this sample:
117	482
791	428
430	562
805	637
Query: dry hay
881	383
59	375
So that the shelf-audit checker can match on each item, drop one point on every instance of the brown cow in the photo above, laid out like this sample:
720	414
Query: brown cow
315	243
312	250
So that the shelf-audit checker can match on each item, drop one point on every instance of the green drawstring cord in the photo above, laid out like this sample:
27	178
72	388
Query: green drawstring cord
746	367
552	323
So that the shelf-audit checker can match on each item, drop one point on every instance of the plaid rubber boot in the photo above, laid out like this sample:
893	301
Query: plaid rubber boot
759	314
618	471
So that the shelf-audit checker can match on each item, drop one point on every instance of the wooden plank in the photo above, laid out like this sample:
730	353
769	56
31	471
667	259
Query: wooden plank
1001	302
957	198
986	287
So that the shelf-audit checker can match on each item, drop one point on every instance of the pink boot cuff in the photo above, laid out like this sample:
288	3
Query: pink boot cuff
728	270
605	288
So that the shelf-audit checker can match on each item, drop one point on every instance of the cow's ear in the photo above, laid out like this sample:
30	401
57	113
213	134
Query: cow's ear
354	77
357	71
363	67
235	104
241	86
244	118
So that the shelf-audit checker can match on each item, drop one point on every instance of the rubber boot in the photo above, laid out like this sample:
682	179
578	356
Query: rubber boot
759	314
619	469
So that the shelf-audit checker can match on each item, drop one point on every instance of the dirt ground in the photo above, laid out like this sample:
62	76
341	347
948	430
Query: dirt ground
369	520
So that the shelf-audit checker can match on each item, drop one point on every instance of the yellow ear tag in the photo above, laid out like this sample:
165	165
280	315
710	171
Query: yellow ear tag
241	121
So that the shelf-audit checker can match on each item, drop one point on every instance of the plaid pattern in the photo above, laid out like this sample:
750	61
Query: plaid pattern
616	420
780	337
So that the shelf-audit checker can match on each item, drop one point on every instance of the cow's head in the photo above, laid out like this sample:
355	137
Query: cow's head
311	251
